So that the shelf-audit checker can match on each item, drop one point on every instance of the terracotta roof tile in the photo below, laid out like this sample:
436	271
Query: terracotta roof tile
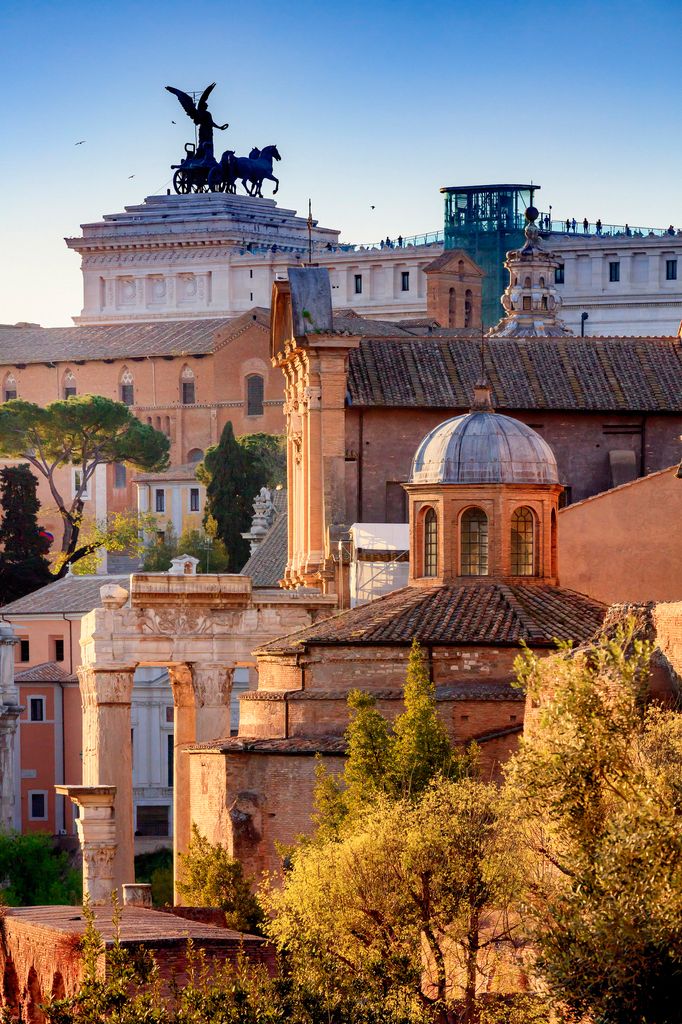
72	594
47	672
600	374
113	341
491	614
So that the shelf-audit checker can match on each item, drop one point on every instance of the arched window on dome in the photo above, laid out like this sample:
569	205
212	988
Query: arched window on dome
254	395
474	542
9	388
527	283
430	542
69	389
468	307
523	542
187	390
127	387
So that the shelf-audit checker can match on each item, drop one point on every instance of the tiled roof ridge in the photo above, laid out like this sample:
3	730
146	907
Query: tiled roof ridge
257	315
520	613
620	487
48	671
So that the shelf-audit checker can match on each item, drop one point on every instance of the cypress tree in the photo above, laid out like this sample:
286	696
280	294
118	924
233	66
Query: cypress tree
23	566
235	479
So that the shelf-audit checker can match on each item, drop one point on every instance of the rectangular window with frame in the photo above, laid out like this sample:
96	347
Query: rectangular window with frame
358	284
170	754
69	392
57	645
24	650
559	274
153	820
36	709
37	805
128	394
614	271
160	501
188	397
671	270
405	281
120	476
194	499
77	478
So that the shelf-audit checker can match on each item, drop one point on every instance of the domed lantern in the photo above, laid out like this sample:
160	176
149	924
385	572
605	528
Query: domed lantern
483	497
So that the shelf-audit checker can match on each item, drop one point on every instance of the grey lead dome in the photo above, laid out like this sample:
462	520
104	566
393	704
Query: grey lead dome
484	448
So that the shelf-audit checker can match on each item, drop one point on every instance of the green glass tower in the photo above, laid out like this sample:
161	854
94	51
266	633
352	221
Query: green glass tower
486	221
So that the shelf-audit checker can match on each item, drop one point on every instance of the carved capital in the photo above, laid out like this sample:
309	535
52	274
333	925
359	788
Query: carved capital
212	684
101	687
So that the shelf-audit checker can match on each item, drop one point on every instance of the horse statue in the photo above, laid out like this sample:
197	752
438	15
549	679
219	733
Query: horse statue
257	168
252	170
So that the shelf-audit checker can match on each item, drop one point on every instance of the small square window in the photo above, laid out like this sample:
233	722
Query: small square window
10	393
405	281
188	392
559	274
194	499
614	271
358	284
24	650
69	392
36	709
671	270
37	805
160	500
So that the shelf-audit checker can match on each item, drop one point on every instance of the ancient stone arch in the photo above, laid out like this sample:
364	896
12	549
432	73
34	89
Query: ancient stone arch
198	626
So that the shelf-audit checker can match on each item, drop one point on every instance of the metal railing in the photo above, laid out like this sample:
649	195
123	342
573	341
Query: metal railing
577	227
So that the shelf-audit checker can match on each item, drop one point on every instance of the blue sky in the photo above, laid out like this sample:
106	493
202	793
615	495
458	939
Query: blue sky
371	104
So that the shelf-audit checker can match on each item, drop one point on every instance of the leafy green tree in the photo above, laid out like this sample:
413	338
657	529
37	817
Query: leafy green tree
210	551
23	565
410	906
33	872
598	778
270	451
388	761
233	478
85	432
209	877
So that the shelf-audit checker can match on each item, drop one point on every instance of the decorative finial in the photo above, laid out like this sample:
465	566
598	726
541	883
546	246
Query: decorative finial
483	401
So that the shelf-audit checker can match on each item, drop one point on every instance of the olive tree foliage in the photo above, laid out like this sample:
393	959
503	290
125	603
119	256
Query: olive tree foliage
411	906
209	877
599	783
84	432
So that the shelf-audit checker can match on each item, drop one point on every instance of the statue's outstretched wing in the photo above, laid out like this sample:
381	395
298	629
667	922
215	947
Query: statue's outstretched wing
203	102
186	101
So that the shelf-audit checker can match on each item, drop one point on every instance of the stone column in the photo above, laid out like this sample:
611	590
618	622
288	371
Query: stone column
107	752
201	696
9	720
96	826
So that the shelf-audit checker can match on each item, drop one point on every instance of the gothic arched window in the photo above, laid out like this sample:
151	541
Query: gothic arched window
474	542
69	385
523	542
430	543
127	387
187	391
9	389
254	395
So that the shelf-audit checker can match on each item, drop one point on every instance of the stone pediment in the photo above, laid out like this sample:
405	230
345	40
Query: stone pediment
449	263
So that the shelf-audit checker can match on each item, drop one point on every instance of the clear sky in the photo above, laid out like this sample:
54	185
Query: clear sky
373	103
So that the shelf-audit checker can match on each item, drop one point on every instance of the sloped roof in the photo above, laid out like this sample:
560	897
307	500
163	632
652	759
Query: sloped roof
114	341
601	374
72	594
47	672
488	614
267	564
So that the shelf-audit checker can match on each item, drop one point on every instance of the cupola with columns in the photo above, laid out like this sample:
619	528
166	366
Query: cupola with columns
483	501
531	300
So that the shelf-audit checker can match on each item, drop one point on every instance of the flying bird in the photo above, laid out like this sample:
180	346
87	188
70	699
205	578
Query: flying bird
173	122
81	142
372	207
130	176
